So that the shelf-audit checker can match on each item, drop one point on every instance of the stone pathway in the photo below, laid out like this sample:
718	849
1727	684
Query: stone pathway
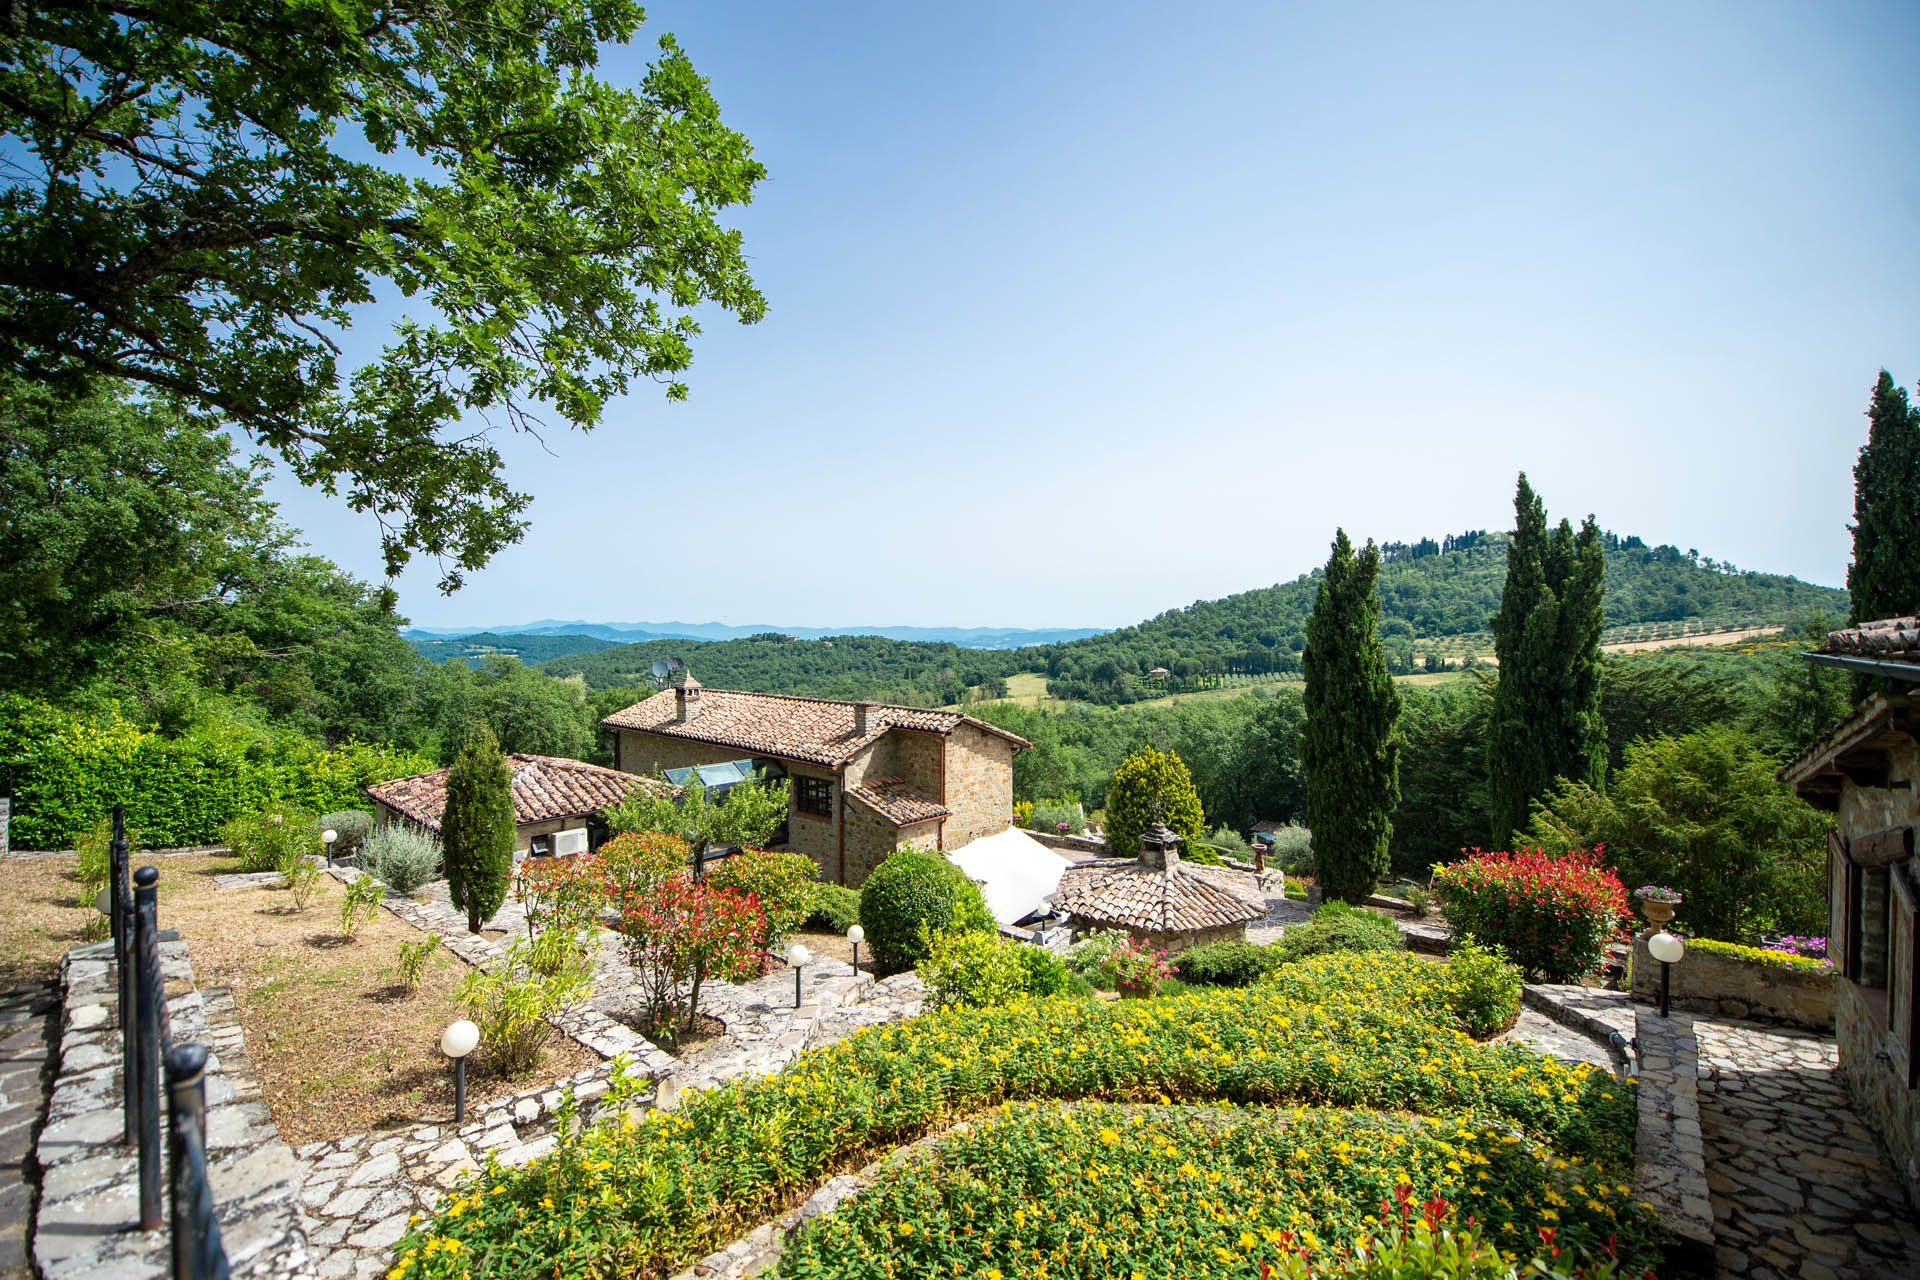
29	1041
1798	1184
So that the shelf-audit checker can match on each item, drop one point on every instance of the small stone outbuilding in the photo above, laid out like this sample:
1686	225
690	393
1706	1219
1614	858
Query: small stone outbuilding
1160	900
556	802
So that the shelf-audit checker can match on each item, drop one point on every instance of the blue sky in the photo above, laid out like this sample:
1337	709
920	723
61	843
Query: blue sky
1084	311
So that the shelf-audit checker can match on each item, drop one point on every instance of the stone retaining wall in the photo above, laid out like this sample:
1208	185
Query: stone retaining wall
89	1205
1734	988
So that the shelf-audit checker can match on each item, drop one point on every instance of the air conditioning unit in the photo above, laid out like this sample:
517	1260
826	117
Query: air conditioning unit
565	842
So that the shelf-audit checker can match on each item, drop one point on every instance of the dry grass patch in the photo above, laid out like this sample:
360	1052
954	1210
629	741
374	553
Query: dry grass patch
43	918
339	1044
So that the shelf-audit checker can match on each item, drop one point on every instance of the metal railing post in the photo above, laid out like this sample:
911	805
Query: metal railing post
119	918
148	999
197	1251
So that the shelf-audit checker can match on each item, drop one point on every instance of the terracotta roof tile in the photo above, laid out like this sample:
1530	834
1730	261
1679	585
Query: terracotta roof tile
544	788
898	801
1887	638
1151	901
814	730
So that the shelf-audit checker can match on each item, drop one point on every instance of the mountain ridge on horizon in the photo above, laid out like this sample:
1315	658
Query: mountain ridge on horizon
702	632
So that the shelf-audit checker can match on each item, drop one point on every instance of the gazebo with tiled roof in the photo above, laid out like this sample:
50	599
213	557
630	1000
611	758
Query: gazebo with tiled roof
1157	899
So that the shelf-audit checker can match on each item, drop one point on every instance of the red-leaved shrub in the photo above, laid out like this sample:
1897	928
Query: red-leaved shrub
1553	914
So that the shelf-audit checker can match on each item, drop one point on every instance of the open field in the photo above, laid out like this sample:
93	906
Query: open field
339	1046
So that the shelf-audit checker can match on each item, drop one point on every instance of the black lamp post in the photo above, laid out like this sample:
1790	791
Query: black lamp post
1668	950
798	956
457	1041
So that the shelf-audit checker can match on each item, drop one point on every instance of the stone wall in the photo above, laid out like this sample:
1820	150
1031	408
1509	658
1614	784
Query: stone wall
1736	988
1876	1070
648	753
979	785
1670	1151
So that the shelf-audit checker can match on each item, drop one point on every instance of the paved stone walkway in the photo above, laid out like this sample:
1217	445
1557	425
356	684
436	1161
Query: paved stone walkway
29	1040
1799	1186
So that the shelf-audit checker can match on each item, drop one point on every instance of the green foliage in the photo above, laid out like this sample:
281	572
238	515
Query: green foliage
414	959
1291	850
1044	973
1229	843
272	839
476	647
477	829
747	817
1087	958
783	882
1336	926
1443	773
1152	786
1884	579
1554	915
912	896
658	1206
833	908
1546	723
350	827
1226	964
1349	752
402	856
302	876
1056	817
362	899
93	868
554	231
974	967
1759	955
1704	814
511	1003
1475	988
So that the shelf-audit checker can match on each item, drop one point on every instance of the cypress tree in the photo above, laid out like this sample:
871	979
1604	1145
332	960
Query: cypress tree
1884	579
1348	753
1546	722
477	830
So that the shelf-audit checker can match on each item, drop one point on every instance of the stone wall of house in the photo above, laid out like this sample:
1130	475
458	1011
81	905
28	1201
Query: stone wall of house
648	753
871	839
1876	1070
813	835
979	785
1736	988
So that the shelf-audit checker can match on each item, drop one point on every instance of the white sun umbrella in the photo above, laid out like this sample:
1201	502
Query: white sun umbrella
1015	871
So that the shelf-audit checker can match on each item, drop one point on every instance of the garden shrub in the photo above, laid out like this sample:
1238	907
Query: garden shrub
303	881
647	1194
1773	956
1480	993
1291	850
1057	817
477	832
1553	915
1230	843
414	958
1088	957
351	827
681	934
635	864
1338	926
1062	1190
783	883
401	856
511	1004
832	908
1226	964
1152	786
93	868
912	896
361	901
270	839
974	967
68	768
1137	969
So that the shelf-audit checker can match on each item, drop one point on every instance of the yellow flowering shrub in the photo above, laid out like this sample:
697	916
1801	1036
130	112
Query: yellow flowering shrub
646	1192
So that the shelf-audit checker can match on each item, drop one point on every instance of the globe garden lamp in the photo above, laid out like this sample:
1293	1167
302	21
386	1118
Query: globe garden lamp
103	902
798	956
327	838
457	1041
1668	950
856	935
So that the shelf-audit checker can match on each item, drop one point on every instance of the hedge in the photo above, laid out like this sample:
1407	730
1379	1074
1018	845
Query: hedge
67	770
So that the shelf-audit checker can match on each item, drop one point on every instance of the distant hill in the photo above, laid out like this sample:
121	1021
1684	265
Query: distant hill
639	632
1434	588
530	649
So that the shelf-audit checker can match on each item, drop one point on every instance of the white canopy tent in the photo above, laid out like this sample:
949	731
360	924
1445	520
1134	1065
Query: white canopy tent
1015	871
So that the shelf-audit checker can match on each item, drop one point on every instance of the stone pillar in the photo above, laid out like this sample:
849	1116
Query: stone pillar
686	700
1159	848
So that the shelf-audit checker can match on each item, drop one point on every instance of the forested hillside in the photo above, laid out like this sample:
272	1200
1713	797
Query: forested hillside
481	645
1432	588
837	667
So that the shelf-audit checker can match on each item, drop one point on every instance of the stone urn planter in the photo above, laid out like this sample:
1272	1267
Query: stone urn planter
1657	902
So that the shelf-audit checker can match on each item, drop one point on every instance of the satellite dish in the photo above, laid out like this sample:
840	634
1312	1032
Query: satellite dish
675	666
660	669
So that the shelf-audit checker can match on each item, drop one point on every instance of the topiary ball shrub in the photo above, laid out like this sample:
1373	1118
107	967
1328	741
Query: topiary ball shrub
911	896
1338	927
351	826
1226	964
1553	915
832	908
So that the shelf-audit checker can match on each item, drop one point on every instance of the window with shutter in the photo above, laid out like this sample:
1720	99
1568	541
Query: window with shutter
1839	899
1903	993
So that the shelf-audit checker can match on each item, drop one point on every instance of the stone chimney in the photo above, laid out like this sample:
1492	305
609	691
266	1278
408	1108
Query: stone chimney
866	718
686	699
1159	848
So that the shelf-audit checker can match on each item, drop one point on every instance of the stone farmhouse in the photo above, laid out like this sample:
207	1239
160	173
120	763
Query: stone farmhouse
1866	771
556	802
867	777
